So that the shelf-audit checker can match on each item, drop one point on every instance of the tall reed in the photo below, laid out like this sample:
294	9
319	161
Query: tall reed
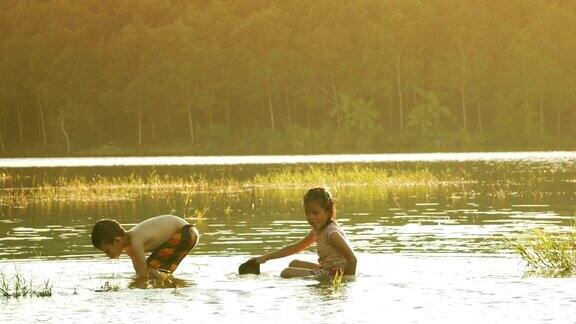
97	188
547	251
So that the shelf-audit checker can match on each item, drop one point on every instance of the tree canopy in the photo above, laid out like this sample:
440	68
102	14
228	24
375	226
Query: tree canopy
302	76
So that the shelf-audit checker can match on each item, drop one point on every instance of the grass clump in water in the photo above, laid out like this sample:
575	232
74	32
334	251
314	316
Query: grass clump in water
4	176
99	189
547	252
108	286
17	286
46	290
337	280
354	175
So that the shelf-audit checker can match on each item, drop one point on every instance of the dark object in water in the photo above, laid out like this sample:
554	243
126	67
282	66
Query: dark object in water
106	287
250	266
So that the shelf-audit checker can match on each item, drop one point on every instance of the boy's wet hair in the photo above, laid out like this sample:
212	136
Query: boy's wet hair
323	198
105	231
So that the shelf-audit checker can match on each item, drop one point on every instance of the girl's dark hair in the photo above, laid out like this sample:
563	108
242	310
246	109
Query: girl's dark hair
323	198
105	231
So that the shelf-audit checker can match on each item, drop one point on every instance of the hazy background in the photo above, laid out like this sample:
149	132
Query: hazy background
129	77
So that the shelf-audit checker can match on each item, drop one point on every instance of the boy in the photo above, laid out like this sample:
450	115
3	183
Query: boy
169	237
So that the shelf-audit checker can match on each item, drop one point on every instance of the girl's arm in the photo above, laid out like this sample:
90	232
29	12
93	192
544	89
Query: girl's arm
342	246
288	249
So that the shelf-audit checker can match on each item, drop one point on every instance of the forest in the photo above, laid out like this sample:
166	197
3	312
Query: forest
130	77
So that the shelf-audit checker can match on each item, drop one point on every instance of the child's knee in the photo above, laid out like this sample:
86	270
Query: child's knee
294	263
285	273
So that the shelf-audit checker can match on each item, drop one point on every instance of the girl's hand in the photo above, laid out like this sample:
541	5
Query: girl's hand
259	260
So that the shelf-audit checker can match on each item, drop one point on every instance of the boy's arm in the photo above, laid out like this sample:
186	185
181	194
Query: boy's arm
341	245
289	249
138	257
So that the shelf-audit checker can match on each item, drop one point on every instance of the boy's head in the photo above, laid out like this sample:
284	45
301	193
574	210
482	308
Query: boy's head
105	237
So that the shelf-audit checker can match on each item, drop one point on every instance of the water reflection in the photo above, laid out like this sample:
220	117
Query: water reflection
500	199
375	221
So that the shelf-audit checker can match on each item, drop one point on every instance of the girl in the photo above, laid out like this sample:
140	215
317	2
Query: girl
334	251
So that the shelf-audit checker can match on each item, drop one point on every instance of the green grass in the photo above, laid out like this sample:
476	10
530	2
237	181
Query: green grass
4	176
553	253
103	189
354	175
17	286
337	280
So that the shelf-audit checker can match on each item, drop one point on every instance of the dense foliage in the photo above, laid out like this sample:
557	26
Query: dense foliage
268	76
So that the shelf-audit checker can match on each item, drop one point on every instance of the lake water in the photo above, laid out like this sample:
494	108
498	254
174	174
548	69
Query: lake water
426	255
555	156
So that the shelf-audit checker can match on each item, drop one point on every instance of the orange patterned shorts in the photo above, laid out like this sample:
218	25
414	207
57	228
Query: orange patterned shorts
168	256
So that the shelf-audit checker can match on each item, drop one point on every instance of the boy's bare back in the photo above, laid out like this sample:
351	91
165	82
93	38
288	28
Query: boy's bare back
154	231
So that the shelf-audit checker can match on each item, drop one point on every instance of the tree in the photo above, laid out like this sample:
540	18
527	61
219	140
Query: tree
464	62
359	120
428	118
394	41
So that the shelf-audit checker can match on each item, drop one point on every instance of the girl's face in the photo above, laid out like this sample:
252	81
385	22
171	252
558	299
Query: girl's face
316	215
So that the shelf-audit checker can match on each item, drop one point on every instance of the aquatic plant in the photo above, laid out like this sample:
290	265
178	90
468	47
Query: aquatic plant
22	287
46	289
4	176
17	286
199	214
337	279
547	251
353	175
108	286
4	286
79	189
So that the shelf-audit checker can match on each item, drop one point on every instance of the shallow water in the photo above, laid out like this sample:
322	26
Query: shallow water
426	255
398	288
